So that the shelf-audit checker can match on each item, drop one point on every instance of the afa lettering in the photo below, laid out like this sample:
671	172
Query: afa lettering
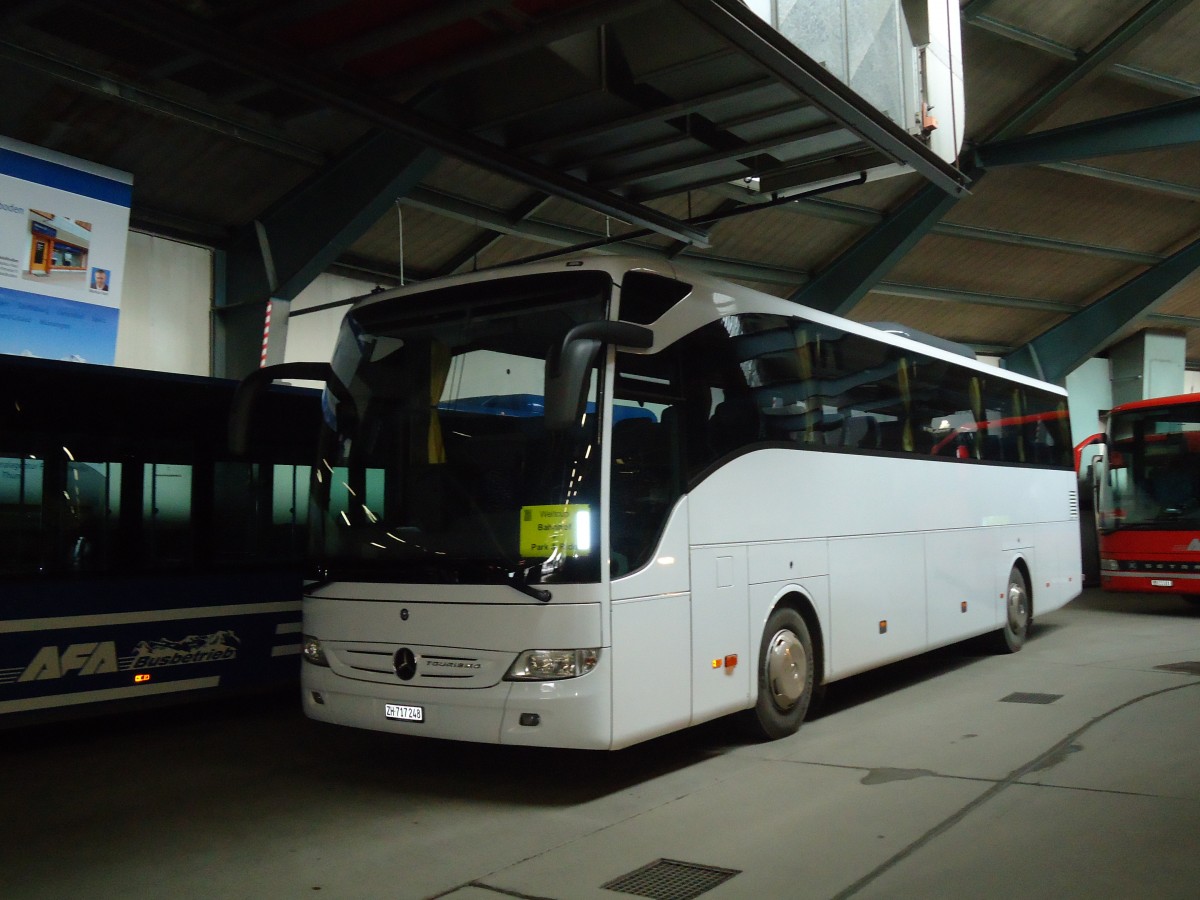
86	659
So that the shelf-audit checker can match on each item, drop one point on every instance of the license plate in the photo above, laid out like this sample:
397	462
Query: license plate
404	713
1161	582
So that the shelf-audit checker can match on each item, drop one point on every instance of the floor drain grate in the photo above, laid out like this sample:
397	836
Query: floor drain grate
1019	697
1187	668
670	879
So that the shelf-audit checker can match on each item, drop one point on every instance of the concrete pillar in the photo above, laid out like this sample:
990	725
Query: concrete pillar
1149	364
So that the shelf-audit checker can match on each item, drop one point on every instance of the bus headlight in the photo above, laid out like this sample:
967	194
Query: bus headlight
1110	565
312	652
550	665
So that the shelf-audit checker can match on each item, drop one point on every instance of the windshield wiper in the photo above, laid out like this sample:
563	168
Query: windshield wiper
518	580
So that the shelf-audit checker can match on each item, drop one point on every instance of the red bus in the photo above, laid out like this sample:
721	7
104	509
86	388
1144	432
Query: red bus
1148	497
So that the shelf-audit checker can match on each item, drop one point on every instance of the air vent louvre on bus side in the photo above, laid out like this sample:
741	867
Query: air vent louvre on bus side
1073	504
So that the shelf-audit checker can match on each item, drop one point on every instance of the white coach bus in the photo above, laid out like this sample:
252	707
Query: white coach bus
588	502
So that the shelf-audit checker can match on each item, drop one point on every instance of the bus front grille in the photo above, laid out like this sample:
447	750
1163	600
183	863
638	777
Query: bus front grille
414	665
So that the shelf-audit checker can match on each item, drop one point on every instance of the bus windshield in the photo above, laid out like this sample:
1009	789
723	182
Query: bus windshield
436	465
1154	471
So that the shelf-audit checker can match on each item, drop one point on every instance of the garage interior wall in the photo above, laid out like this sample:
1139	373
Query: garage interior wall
311	335
166	325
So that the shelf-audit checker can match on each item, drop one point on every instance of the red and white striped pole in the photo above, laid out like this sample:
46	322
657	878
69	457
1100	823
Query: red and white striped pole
266	336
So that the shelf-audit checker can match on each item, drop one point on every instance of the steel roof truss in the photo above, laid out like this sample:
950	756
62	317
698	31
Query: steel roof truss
325	87
307	230
851	276
1169	125
1156	80
1091	64
243	127
585	18
1057	352
562	141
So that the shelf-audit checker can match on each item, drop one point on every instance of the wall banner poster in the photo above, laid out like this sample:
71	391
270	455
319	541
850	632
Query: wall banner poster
63	228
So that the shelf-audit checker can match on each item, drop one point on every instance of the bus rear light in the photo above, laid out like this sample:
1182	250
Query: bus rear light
964	606
551	665
141	677
883	626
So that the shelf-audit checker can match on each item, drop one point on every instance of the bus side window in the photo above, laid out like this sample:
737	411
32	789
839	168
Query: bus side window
92	514
237	504
21	526
734	424
709	373
167	515
860	432
641	488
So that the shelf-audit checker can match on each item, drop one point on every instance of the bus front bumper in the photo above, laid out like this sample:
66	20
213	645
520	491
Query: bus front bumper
571	713
1150	583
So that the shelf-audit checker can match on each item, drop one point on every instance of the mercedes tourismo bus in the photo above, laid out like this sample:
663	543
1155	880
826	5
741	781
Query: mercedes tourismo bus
1148	497
587	502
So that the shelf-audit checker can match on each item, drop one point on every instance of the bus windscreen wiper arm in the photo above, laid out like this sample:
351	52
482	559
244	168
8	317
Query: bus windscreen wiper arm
517	581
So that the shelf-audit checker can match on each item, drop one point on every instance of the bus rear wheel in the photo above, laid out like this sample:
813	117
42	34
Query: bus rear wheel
785	676
1018	615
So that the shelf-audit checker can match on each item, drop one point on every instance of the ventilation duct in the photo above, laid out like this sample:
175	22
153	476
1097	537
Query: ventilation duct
904	57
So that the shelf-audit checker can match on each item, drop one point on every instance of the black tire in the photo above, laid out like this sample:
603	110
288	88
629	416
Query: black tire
1018	615
785	676
1193	599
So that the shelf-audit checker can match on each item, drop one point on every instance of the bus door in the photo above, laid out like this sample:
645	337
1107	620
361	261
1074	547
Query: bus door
1104	497
648	551
660	435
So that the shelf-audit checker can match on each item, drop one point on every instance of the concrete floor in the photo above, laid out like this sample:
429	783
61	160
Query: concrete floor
917	780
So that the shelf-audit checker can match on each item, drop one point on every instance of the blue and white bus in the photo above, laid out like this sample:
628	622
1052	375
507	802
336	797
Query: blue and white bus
141	562
699	500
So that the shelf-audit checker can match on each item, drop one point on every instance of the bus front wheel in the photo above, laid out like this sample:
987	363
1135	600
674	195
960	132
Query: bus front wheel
1018	615
785	676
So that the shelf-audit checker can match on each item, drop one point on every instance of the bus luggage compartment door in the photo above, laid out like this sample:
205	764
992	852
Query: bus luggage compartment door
722	661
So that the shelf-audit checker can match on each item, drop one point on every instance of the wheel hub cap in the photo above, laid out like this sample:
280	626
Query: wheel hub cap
1016	608
787	668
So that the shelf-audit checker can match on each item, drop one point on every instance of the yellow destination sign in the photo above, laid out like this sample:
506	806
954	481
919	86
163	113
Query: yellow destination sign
567	529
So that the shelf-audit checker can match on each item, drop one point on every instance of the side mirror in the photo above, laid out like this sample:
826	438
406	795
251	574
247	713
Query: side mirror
245	398
568	365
